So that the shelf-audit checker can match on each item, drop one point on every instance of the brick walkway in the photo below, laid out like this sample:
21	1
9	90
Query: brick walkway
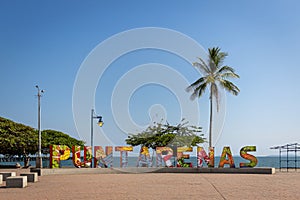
159	186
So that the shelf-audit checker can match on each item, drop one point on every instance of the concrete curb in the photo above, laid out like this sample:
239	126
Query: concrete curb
137	170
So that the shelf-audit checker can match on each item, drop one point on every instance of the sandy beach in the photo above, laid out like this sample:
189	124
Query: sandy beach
281	185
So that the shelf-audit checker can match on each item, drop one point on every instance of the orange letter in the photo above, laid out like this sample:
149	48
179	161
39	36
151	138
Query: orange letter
223	161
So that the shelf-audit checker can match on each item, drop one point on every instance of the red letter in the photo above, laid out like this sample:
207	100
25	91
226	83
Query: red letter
201	155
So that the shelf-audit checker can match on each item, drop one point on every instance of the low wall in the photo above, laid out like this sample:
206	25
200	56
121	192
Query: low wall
136	170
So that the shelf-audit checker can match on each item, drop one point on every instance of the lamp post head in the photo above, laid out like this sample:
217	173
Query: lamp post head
100	122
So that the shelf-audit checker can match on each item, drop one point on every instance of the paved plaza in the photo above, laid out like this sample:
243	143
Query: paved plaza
281	185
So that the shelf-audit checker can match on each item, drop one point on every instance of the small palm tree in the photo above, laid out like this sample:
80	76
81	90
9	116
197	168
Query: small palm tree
214	76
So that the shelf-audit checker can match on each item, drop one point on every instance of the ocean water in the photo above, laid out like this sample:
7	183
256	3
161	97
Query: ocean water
268	161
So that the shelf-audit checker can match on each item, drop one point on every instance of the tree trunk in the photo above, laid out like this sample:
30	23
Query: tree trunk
210	119
26	161
26	158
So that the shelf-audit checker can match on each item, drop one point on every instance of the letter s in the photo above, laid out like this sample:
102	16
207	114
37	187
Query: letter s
245	155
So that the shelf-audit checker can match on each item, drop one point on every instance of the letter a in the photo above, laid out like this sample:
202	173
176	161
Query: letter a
223	160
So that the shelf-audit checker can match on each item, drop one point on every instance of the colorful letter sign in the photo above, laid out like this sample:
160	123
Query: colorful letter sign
223	160
101	159
58	153
181	156
144	159
105	159
124	155
201	155
244	154
164	153
87	157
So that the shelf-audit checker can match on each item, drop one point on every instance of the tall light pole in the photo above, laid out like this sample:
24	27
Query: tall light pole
100	123
39	162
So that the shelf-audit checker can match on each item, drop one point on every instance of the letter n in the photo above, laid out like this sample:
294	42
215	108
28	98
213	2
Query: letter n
202	155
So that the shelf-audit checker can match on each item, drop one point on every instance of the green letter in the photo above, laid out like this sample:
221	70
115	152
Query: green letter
245	155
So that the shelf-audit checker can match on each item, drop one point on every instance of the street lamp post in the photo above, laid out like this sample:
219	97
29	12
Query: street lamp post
39	163
100	123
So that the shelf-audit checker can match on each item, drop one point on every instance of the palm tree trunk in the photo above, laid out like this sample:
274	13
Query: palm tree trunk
210	119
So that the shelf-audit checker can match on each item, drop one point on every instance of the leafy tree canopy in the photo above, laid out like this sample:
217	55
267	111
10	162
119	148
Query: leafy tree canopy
50	137
17	139
20	140
159	135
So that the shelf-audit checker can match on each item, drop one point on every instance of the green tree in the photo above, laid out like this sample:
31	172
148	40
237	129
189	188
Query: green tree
159	135
20	140
214	76
17	139
50	137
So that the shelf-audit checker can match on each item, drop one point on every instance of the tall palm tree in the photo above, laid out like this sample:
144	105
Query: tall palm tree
214	76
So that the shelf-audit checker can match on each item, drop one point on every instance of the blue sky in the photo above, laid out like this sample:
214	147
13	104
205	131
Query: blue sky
45	43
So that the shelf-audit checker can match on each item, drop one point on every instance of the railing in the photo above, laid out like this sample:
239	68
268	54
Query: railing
285	162
19	159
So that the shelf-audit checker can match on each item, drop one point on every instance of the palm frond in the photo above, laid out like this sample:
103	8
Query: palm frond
195	84
216	57
229	75
225	69
199	91
230	87
202	66
213	52
221	58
